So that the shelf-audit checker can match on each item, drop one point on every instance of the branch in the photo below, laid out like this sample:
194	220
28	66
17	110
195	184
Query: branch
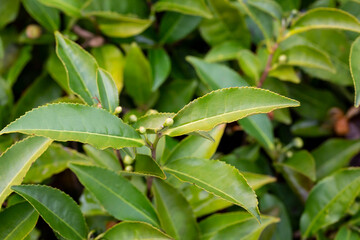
268	65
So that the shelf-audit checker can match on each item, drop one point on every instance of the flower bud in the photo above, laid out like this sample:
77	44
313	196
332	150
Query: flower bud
289	154
128	160
282	58
298	142
168	122
151	111
129	168
142	130
118	110
132	118
294	11
33	31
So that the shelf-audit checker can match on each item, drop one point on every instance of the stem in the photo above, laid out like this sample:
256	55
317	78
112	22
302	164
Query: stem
120	159
268	65
152	147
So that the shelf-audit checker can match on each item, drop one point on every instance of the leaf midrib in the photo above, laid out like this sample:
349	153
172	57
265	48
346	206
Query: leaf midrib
28	216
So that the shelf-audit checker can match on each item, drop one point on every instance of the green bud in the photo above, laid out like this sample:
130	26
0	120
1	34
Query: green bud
142	130
151	111
298	142
132	118
128	160
282	58
129	168
33	31
118	110
294	11
168	122
289	154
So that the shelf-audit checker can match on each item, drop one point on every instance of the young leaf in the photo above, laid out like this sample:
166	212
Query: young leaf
227	225
137	76
134	230
346	233
112	60
250	64
189	7
175	213
54	160
16	161
57	209
195	146
46	16
329	200
333	155
17	221
225	105
81	68
160	66
216	75
256	180
354	69
175	26
225	181
259	126
108	93
319	18
152	122
269	6
225	51
103	158
118	196
305	56
146	166
79	123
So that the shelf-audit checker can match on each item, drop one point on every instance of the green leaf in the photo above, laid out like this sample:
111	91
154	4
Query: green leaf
320	18
137	76
46	16
175	95
109	97
303	163
57	71
305	56
216	75
285	73
228	225
111	59
195	146
146	166
57	209
152	122
269	6
160	66
134	230
81	68
333	155
69	7
16	161
329	200
17	221
231	104
355	73
259	126
224	181
118	196
175	213
346	233
118	25
18	66
189	7
104	158
225	51
82	123
175	26
8	11
256	181
227	24
250	64
54	160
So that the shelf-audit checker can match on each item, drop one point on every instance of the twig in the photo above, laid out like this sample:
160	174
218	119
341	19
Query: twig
152	147
268	65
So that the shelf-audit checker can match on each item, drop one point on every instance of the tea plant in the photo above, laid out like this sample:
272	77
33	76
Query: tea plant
126	103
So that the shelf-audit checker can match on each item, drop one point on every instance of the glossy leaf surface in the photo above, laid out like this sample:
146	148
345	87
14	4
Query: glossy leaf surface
189	7
355	73
82	123
225	181
16	161
108	93
160	66
57	209
201	114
